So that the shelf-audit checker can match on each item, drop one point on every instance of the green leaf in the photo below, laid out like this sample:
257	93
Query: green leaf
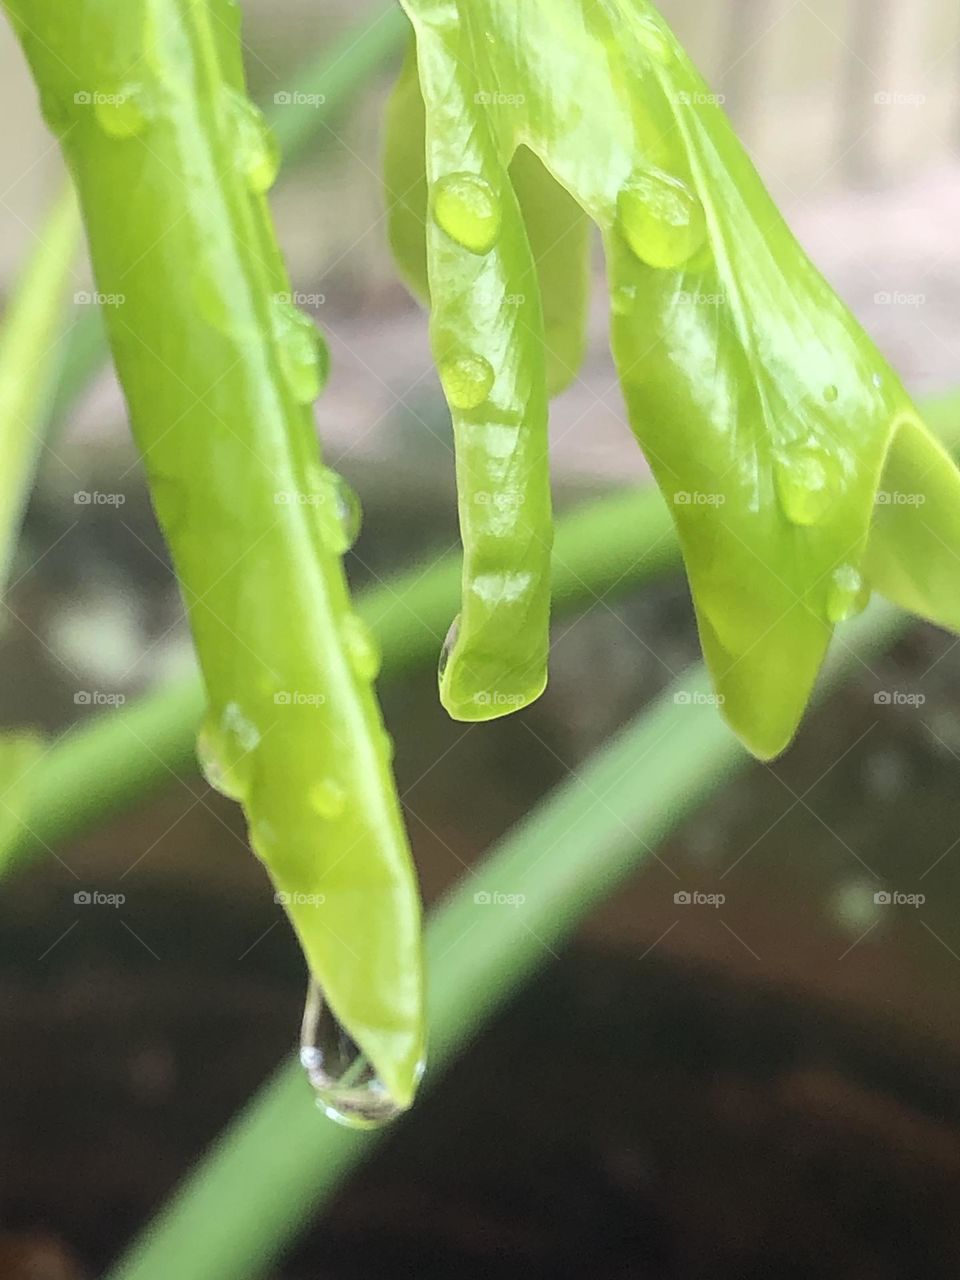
172	163
766	414
29	359
19	753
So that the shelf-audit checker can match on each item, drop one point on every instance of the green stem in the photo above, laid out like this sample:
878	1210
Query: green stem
279	1161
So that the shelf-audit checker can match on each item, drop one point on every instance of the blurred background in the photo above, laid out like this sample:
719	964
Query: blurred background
768	1087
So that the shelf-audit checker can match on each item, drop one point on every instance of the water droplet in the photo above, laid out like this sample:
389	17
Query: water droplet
466	208
225	748
449	645
624	299
803	481
349	511
304	357
362	649
123	113
831	394
848	594
328	799
877	380
661	218
654	39
467	381
256	149
347	1087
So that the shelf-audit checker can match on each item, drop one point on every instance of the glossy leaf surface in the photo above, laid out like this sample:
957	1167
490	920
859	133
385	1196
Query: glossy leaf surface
772	424
172	162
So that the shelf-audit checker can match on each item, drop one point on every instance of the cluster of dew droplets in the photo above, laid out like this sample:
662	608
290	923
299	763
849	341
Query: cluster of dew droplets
346	1084
467	209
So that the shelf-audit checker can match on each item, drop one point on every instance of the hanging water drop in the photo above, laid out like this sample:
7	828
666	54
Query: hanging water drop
328	799
363	651
467	381
848	594
661	218
346	1084
304	357
467	209
256	149
349	511
804	486
449	644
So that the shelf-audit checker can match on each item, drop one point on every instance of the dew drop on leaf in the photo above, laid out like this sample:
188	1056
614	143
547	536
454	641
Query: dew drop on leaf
804	488
256	149
345	1082
653	39
467	381
328	799
661	219
831	394
349	511
624	299
225	749
304	358
467	209
363	651
449	645
848	594
121	113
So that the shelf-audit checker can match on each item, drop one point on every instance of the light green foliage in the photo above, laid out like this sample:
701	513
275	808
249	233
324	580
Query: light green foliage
29	356
798	471
171	162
